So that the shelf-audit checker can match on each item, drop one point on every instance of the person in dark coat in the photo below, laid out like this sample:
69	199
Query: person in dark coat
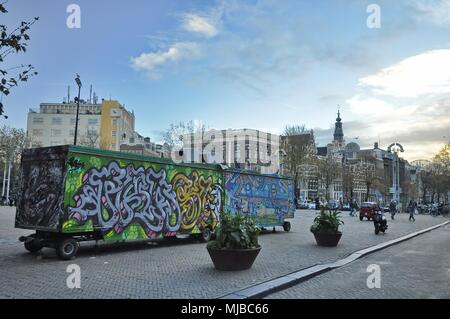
411	209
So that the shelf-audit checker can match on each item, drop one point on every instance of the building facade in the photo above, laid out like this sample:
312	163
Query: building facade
54	124
364	174
245	149
137	144
108	125
117	125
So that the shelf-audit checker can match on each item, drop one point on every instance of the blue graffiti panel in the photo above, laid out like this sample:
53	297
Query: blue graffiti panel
269	199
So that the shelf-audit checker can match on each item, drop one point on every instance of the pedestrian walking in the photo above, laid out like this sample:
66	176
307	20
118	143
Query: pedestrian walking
393	209
351	208
411	210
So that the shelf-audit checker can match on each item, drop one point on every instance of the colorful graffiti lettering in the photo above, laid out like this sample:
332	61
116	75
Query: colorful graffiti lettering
199	200
116	196
268	199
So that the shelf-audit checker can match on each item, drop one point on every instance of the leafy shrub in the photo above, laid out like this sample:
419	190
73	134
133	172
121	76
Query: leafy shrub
236	232
327	222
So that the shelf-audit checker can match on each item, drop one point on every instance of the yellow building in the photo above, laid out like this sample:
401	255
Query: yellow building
117	125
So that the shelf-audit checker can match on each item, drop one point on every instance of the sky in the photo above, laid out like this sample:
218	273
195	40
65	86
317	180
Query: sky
260	64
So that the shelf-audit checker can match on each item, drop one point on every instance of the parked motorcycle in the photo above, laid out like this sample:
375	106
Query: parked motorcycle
434	210
380	222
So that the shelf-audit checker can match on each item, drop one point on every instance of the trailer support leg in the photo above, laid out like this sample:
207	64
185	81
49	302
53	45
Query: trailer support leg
39	254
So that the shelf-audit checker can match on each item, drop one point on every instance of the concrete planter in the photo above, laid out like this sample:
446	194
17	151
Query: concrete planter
327	240
233	259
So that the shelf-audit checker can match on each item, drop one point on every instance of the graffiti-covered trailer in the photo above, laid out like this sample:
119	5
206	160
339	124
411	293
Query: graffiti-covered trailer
269	199
72	193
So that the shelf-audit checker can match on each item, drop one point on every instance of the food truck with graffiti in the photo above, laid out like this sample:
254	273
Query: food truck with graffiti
71	194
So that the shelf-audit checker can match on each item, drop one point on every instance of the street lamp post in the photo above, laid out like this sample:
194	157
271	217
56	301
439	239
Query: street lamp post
396	148
77	79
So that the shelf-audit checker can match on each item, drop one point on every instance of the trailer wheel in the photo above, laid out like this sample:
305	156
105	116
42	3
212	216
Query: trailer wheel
206	235
66	248
287	226
32	246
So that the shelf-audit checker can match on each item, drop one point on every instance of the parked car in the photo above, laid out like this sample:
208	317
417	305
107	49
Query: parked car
368	209
346	207
303	205
312	205
333	204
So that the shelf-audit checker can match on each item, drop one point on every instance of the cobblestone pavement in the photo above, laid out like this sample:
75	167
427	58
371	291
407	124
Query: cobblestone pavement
176	269
418	268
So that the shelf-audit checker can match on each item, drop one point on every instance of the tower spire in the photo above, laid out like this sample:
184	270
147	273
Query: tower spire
338	131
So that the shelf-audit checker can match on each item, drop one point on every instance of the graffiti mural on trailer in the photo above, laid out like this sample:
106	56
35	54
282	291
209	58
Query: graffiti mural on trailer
41	196
115	197
266	198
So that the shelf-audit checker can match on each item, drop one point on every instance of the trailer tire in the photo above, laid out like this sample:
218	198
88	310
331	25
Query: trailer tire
66	248
206	235
32	246
287	226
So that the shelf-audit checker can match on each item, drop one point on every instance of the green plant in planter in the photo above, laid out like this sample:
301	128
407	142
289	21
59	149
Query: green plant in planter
327	222
236	232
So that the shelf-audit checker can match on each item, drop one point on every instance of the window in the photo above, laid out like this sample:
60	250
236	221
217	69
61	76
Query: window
114	133
38	132
131	140
38	120
73	121
56	121
92	133
113	146
56	132
237	151
114	122
92	121
72	132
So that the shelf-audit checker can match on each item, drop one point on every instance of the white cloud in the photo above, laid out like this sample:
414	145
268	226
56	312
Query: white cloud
407	102
178	51
423	74
434	11
198	24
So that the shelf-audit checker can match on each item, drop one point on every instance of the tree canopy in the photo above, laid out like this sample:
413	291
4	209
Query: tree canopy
13	41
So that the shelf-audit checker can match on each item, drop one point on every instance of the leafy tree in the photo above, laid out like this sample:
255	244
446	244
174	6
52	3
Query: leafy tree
175	134
12	142
435	177
328	170
366	171
13	42
348	180
441	171
299	146
91	138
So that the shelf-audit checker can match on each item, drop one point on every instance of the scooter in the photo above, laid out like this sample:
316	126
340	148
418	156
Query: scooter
380	222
